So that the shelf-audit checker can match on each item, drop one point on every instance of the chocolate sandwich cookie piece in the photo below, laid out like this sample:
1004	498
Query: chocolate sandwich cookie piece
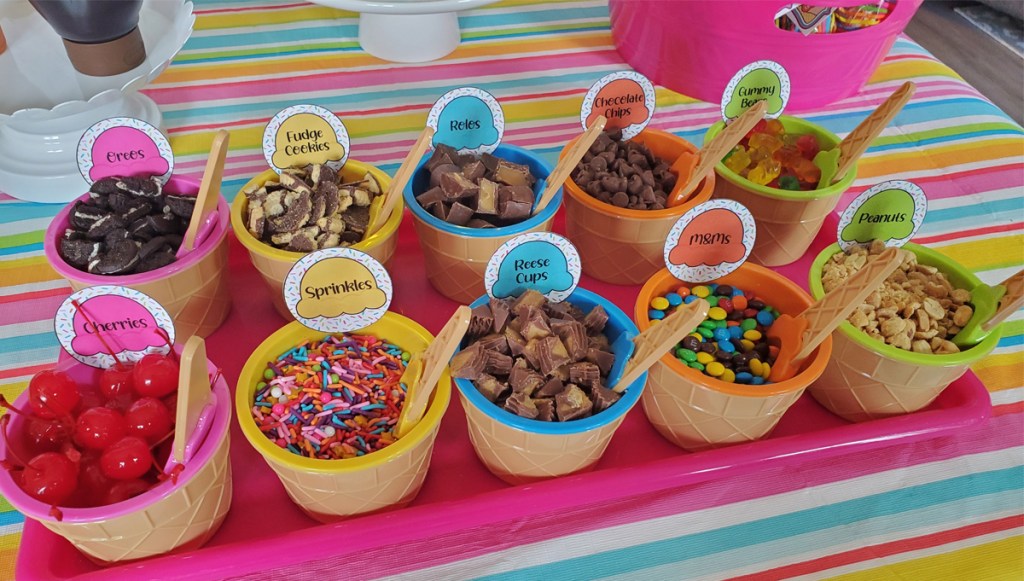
153	246
104	226
158	259
150	188
83	215
121	258
104	186
79	252
181	206
134	209
115	236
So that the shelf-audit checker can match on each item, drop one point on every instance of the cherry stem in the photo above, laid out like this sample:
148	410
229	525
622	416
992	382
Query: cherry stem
4	421
56	513
99	334
6	404
215	378
170	346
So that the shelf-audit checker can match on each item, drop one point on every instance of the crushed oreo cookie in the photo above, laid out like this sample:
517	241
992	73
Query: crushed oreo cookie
127	225
537	359
309	209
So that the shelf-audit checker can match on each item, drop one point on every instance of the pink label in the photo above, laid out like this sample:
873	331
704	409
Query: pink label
98	322
124	147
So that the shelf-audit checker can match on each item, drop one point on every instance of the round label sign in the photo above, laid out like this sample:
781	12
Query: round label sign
468	119
625	98
123	146
542	261
710	241
337	290
305	134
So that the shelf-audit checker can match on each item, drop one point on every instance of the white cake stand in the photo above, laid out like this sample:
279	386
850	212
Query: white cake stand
46	105
407	31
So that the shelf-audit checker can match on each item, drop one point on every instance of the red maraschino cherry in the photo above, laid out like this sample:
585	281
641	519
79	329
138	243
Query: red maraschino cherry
156	375
46	435
100	427
118	381
126	459
52	394
50	477
148	418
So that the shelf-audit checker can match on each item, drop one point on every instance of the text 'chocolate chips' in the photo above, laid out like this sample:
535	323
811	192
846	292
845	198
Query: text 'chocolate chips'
477	192
537	359
127	225
624	174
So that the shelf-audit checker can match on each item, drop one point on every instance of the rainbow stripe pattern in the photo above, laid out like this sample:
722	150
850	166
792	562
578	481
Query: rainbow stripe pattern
948	508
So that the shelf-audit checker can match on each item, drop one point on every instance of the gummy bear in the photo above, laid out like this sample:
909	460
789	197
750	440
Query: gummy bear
765	171
738	159
805	170
788	182
765	141
774	127
808	146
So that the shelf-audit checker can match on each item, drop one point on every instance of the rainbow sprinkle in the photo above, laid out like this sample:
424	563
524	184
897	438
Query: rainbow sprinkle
332	399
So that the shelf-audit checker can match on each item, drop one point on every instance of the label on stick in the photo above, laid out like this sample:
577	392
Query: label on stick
758	81
542	261
124	146
625	98
337	290
891	211
710	241
305	134
468	119
97	323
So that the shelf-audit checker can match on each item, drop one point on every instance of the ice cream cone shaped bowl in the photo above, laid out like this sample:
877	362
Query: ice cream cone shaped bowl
193	288
273	264
176	515
695	411
329	490
620	245
456	256
520	450
787	221
868	379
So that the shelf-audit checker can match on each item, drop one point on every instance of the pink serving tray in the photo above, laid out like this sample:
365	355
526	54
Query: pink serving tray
460	498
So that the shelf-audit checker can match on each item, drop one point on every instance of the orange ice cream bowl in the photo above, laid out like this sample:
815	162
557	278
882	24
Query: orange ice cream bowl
620	245
695	411
273	264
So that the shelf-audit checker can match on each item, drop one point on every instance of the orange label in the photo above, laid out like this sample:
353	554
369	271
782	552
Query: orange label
710	241
625	98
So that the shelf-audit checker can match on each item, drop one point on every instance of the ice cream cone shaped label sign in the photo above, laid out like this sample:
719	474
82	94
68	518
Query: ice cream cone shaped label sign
468	119
710	241
625	98
97	323
305	134
541	261
123	146
891	211
337	290
758	81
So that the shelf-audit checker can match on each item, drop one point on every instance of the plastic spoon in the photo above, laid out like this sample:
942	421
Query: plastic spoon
835	162
796	337
646	348
568	163
402	177
992	305
423	371
204	215
691	168
196	403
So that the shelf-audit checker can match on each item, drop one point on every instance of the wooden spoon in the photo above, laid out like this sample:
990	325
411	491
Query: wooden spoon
205	212
398	183
423	371
655	342
691	168
796	337
835	162
195	402
568	163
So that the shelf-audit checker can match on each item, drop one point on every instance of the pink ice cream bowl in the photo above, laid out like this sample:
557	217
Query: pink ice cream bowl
193	288
179	515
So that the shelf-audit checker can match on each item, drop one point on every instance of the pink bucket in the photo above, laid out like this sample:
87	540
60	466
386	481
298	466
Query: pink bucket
695	48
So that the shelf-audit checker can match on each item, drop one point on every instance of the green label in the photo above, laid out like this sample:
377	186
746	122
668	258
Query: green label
891	212
758	81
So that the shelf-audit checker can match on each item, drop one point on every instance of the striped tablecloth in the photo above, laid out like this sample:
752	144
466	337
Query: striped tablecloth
946	508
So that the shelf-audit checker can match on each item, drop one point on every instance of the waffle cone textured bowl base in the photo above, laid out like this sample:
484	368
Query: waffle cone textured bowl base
867	379
330	490
456	256
624	246
194	289
273	264
694	411
169	517
520	450
787	222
